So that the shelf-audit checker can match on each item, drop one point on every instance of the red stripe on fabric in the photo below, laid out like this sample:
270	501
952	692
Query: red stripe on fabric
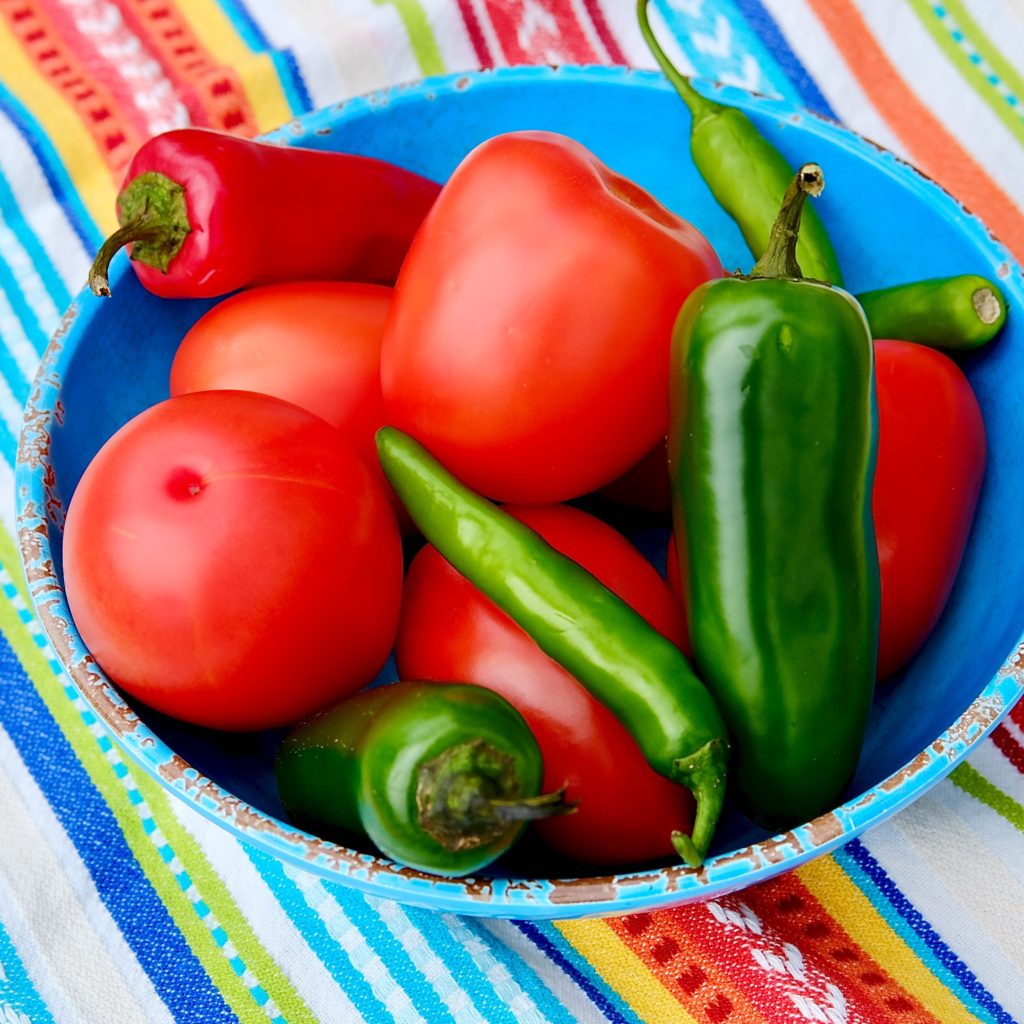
212	93
539	31
935	150
1017	713
604	33
1008	746
791	912
704	989
100	67
115	136
476	36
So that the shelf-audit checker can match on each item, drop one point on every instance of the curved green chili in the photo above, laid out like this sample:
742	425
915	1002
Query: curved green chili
441	776
772	443
747	175
599	639
959	313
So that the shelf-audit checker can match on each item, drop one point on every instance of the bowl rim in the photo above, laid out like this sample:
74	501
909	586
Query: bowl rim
39	508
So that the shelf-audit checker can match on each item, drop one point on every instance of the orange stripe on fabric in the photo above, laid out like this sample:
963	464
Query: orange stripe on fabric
212	93
933	148
115	136
682	965
787	907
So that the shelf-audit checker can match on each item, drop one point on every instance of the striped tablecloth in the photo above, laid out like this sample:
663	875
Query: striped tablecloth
117	903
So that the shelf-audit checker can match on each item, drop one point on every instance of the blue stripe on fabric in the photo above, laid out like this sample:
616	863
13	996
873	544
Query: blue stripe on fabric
723	48
390	950
550	1007
37	333
8	441
177	976
54	171
17	992
909	923
314	931
563	956
285	65
766	28
10	212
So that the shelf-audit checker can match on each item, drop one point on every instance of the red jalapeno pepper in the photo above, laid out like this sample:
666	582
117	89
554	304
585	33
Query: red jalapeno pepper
205	213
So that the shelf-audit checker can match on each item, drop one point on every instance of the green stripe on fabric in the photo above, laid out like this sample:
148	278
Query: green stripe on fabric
104	777
421	35
972	782
989	74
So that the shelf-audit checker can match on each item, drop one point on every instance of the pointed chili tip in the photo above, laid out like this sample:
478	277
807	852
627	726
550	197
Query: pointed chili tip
812	179
684	846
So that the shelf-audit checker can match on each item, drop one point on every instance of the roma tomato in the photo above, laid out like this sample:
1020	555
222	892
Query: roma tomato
450	631
314	343
231	562
931	460
528	343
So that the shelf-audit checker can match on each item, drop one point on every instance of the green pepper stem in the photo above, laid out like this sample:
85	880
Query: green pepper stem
469	795
141	229
700	106
779	259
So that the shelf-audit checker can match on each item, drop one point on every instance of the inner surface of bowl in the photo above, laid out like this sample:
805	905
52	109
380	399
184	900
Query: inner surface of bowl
111	359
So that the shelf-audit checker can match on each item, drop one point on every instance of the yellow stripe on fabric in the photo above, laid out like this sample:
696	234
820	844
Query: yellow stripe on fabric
844	901
9	556
74	145
421	35
259	77
624	971
92	758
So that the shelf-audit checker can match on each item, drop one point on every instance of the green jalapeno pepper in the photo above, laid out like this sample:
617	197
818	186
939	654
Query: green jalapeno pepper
599	639
441	776
747	175
960	312
771	458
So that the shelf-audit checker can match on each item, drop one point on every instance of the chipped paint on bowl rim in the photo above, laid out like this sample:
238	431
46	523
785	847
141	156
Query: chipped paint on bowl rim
40	510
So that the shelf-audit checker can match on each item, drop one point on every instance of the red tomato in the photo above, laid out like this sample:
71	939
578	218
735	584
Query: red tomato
528	344
931	459
314	343
231	562
449	630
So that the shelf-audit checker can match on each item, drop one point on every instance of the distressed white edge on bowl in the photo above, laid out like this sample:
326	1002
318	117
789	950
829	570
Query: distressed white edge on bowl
39	507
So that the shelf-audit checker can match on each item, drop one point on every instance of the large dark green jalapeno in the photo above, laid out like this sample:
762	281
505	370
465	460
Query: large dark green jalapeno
441	776
599	639
747	175
771	459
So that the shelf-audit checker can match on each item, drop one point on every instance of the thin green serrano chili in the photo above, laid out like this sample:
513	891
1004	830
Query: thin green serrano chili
644	679
747	175
959	313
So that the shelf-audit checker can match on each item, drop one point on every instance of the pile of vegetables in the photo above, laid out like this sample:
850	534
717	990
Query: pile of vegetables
387	438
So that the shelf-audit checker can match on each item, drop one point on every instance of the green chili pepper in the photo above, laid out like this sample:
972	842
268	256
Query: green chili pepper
960	312
441	776
747	175
771	457
599	639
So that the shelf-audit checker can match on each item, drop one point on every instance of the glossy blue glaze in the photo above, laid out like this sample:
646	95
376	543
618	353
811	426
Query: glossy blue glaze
110	360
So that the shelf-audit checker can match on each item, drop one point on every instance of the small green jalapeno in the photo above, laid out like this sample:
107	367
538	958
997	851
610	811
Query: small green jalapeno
442	777
643	678
956	313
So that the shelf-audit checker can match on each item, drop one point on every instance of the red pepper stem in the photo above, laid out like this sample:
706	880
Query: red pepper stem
154	220
779	259
700	107
142	229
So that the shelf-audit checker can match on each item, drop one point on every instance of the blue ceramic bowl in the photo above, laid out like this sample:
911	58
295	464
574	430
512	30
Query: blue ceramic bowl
110	359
